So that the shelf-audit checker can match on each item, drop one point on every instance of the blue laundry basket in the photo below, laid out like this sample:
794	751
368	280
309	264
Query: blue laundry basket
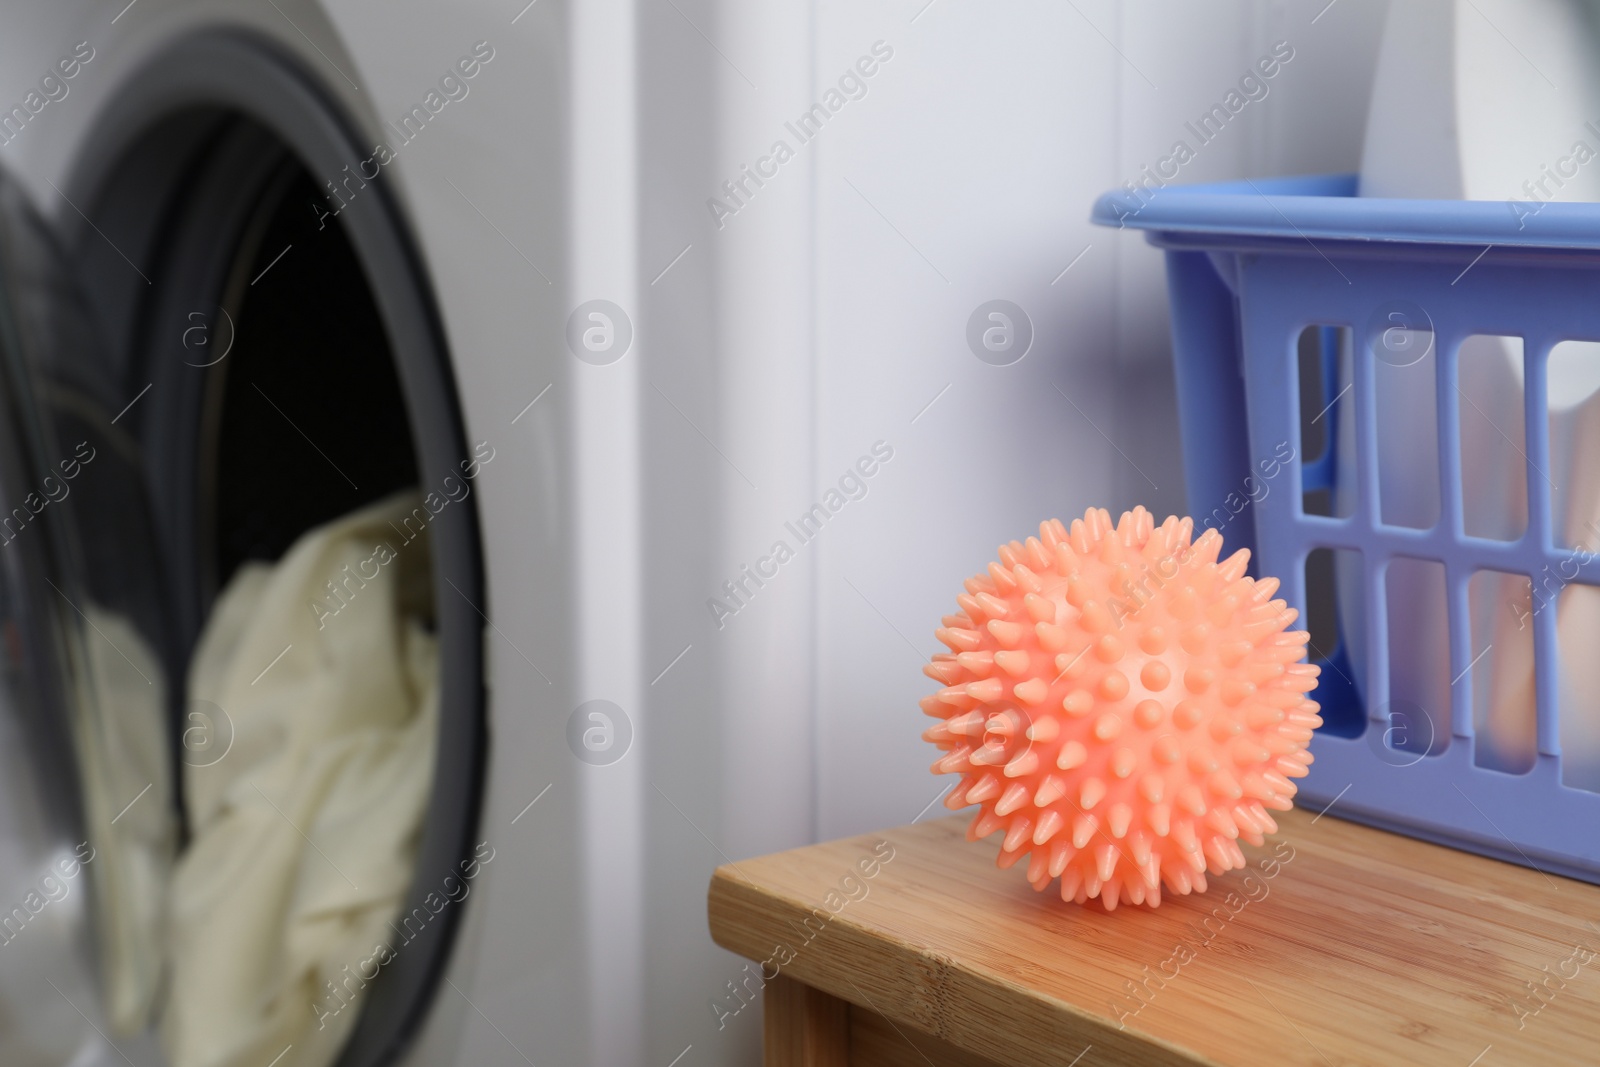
1250	267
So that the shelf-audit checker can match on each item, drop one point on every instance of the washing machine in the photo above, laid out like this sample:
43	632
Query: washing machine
237	302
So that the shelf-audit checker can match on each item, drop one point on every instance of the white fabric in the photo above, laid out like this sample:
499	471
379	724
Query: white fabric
304	834
127	798
1456	114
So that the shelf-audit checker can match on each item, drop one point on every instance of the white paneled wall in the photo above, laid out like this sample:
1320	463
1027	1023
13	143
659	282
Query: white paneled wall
981	147
964	176
830	313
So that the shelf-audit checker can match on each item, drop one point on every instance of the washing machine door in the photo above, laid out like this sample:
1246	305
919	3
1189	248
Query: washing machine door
88	741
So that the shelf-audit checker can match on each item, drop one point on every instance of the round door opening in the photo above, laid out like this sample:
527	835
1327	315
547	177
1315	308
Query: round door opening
273	381
310	417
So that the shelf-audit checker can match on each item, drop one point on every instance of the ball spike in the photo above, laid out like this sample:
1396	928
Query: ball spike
977	664
1052	789
1037	553
1015	796
1000	579
1013	661
1008	634
986	788
1050	824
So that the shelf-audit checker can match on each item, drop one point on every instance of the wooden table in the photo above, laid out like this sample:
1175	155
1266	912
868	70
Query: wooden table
1339	945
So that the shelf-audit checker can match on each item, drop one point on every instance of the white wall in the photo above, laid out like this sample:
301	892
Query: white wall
964	174
984	142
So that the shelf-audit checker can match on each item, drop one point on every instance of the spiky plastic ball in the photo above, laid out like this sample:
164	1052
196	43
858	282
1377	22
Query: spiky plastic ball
1122	705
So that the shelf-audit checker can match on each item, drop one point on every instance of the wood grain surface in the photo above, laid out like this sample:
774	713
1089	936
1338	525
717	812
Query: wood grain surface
804	1027
1339	945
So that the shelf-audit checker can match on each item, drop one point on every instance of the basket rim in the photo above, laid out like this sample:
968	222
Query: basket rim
1327	206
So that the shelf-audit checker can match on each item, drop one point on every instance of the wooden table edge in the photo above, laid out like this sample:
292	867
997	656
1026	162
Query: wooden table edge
730	896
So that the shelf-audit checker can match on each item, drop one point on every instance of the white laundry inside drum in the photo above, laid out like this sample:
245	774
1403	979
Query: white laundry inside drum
127	801
119	735
305	828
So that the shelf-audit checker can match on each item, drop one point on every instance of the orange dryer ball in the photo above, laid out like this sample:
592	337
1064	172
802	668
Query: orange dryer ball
1122	705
